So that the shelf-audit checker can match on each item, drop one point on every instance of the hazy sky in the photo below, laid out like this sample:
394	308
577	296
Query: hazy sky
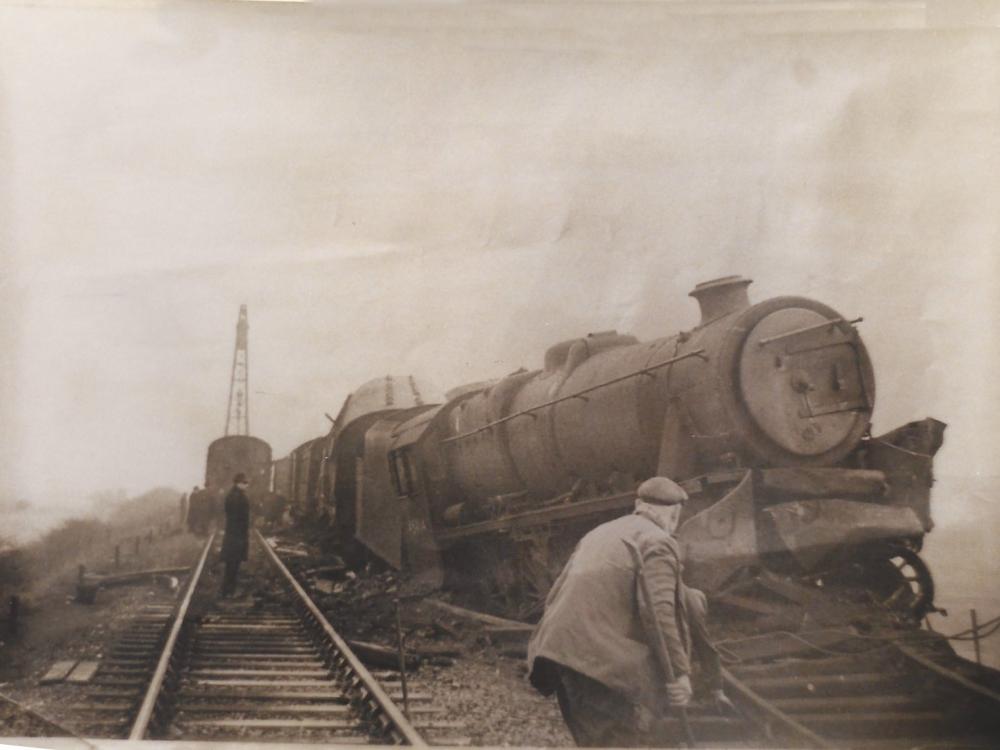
447	189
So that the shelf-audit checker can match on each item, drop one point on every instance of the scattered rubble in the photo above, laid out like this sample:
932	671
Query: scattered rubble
473	663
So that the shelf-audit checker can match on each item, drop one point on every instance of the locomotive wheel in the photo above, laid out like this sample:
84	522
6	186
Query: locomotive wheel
901	582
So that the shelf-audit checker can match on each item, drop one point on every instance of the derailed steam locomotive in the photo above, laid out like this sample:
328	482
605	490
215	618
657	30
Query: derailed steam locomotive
763	411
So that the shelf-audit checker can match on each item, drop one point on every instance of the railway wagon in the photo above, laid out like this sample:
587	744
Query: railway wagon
281	477
226	457
304	477
342	487
232	454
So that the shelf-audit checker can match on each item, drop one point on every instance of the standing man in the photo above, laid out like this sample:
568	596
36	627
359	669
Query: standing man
236	540
595	646
194	511
183	512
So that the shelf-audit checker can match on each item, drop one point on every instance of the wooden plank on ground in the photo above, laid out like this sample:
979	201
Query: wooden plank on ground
84	671
373	654
507	635
135	576
440	724
58	672
256	708
480	617
275	723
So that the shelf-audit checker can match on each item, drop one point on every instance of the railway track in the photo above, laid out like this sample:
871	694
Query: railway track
271	668
897	696
113	698
263	668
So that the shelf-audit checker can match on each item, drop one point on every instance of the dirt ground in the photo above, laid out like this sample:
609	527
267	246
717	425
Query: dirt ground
476	674
54	627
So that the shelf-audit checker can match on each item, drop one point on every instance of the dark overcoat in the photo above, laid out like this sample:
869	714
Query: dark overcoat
235	542
595	621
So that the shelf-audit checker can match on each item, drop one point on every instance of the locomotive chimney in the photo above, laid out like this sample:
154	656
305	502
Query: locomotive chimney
720	297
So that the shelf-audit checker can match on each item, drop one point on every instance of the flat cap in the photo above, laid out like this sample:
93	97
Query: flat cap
661	491
241	477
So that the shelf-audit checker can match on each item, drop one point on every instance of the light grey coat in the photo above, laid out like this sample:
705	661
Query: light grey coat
594	622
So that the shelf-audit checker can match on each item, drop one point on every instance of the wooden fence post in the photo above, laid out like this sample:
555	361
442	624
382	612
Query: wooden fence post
15	611
975	634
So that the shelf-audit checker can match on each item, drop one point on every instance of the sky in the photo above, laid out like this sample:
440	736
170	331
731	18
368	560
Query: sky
447	189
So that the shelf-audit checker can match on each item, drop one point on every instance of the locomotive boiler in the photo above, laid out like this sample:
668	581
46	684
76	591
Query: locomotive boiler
762	411
786	382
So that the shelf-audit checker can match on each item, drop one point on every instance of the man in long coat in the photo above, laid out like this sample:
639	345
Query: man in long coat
593	646
236	540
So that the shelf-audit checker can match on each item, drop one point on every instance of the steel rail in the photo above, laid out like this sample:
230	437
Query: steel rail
764	706
145	714
948	674
365	685
579	394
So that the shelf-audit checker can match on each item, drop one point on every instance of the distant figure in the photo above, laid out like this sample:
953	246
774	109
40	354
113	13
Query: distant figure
182	511
195	519
236	540
595	645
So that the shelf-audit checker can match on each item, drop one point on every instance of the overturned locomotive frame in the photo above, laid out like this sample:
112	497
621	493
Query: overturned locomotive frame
763	411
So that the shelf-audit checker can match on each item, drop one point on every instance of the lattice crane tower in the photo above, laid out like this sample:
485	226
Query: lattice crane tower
238	411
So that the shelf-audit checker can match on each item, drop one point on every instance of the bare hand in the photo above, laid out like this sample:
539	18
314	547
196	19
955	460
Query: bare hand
679	691
722	703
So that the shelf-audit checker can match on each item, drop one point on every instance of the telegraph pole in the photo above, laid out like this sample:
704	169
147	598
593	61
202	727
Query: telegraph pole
238	410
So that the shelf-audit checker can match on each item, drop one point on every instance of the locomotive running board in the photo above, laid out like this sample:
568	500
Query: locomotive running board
567	512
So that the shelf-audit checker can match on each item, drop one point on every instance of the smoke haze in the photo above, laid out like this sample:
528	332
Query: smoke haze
447	189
